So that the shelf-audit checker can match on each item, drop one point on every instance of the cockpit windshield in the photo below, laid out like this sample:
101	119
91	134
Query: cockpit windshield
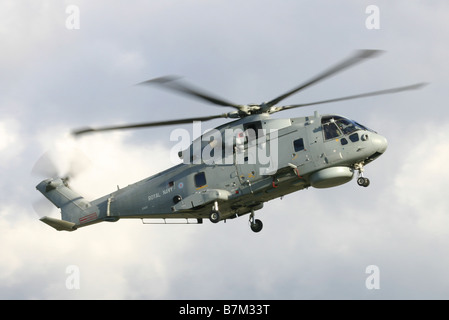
335	126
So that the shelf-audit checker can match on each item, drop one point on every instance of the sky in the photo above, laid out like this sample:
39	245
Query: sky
316	244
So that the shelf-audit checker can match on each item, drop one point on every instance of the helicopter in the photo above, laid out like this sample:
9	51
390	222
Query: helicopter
235	168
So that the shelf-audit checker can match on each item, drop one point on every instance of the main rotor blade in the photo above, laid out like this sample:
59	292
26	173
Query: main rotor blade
170	82
357	96
359	56
148	124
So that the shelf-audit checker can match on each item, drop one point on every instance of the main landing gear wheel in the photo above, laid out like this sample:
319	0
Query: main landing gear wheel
255	224
363	182
214	216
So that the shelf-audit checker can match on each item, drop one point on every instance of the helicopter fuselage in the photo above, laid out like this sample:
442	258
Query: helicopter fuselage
269	158
318	151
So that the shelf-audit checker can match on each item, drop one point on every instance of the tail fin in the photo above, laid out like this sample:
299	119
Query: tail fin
75	210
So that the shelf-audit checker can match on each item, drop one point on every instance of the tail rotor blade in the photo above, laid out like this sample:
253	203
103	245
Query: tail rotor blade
45	167
43	207
66	164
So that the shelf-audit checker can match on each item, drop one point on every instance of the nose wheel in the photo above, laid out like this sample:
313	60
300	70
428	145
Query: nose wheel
255	224
361	180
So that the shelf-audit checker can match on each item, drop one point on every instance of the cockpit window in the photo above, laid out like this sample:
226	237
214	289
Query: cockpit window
331	131
334	126
348	126
364	127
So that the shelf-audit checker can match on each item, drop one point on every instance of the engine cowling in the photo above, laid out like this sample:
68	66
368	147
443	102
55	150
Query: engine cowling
331	177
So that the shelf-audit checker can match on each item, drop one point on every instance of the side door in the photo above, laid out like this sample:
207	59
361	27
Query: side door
294	149
254	155
245	157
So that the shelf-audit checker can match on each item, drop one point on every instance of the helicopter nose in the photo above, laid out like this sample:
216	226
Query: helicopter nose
380	143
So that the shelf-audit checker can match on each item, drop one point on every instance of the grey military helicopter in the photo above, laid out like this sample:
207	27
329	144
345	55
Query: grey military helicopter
232	170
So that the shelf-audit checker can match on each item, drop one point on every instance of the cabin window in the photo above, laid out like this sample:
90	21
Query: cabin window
298	144
200	179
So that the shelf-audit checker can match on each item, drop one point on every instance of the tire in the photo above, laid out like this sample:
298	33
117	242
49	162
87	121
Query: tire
257	226
366	184
214	216
361	181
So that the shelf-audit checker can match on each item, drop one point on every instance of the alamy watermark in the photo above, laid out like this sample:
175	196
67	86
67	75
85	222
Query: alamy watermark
372	22
373	280
230	146
72	281
72	22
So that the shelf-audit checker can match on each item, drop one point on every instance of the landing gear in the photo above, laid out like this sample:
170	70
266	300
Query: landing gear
256	224
361	180
214	215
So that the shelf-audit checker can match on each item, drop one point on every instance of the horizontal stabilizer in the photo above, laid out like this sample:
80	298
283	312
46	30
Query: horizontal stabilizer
59	225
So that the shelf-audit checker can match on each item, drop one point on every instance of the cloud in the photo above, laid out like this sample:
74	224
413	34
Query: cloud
423	180
315	243
104	254
10	141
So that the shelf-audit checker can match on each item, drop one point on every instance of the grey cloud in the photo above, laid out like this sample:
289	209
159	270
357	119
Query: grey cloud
315	243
